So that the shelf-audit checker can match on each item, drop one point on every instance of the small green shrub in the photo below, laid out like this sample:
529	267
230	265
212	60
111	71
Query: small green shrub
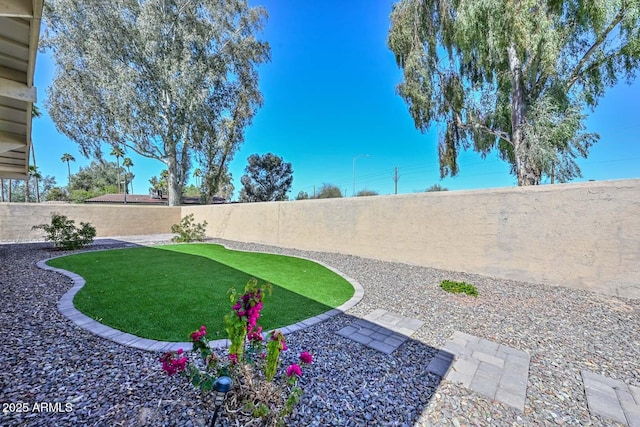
459	288
65	235
188	231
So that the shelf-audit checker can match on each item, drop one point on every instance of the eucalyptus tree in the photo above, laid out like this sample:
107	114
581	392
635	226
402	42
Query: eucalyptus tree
219	139
66	157
151	75
515	77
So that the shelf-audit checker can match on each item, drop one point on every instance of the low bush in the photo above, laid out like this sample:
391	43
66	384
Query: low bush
188	230
65	235
459	287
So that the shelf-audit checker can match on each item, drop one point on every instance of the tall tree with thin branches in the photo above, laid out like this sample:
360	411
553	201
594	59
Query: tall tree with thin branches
153	76
513	76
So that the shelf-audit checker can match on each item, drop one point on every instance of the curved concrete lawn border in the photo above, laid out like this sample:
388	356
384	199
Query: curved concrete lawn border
66	307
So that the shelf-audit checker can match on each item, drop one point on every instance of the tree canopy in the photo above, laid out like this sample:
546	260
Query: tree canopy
168	79
328	191
514	77
268	178
366	192
96	179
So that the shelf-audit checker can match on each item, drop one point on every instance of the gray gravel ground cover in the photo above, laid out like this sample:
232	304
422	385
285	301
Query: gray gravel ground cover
47	359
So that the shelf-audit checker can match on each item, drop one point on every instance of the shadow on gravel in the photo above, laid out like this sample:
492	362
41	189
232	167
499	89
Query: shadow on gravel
353	384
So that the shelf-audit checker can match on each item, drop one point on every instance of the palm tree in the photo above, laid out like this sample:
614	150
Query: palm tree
66	157
117	151
197	174
127	163
33	172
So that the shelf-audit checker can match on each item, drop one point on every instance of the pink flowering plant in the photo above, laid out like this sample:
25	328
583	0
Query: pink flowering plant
253	361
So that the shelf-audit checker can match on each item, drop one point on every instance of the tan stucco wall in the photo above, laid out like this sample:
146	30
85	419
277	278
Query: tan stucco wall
584	235
16	219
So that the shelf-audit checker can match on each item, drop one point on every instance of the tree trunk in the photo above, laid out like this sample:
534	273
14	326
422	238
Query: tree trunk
175	189
2	189
525	171
26	189
10	183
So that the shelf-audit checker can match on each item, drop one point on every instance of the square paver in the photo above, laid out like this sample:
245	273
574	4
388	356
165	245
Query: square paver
381	330
394	322
491	369
612	398
440	364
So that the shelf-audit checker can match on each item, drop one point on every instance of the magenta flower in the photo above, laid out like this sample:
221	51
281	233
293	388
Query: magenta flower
294	369
195	336
255	335
172	366
306	357
233	358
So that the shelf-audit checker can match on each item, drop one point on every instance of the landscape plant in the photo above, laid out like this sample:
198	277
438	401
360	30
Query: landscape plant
513	77
65	235
459	287
188	230
172	81
258	391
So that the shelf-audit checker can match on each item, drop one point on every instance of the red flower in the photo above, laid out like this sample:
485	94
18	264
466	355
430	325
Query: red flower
233	358
294	370
306	357
172	366
195	336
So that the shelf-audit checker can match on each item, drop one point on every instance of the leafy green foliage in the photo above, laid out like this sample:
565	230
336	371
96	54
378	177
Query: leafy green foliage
56	194
329	191
65	235
436	187
513	76
459	287
96	179
188	230
172	82
365	192
267	178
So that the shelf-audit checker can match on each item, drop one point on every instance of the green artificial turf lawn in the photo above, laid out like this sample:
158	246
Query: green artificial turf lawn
166	292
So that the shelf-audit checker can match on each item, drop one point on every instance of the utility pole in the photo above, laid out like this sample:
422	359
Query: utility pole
395	179
314	191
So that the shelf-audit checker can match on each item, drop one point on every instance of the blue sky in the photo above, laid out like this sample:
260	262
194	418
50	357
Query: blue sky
329	96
